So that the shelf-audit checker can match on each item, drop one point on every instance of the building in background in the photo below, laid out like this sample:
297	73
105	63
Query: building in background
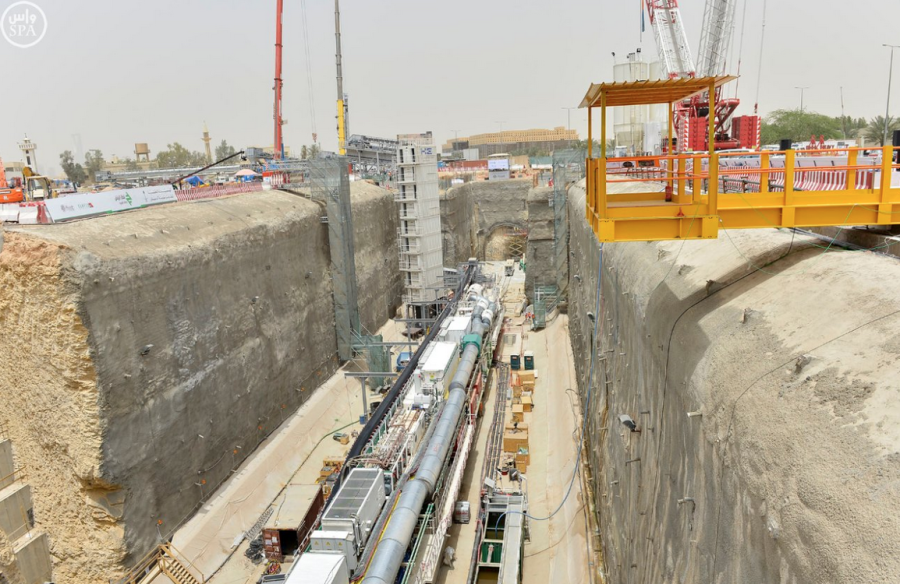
513	141
421	248
206	139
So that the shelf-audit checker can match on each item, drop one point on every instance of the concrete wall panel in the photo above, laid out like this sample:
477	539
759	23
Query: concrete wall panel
33	558
15	508
7	464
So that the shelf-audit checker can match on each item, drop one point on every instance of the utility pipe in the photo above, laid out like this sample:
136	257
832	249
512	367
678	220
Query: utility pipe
397	535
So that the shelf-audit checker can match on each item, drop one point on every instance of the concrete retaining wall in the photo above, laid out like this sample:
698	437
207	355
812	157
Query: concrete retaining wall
540	264
791	356
152	351
471	212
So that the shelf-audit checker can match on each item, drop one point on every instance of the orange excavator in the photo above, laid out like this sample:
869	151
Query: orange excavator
31	187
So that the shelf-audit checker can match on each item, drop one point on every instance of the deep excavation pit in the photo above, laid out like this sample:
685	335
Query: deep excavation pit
786	358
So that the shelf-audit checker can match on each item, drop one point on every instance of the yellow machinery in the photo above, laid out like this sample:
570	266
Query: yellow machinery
692	196
31	188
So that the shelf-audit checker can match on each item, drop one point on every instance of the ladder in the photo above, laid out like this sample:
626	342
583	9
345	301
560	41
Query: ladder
173	568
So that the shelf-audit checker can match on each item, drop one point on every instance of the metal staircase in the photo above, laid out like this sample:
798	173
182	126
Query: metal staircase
174	569
163	561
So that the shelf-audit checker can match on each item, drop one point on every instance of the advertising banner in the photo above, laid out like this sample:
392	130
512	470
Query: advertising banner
89	204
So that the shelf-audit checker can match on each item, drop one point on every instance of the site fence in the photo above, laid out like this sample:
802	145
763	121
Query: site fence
197	194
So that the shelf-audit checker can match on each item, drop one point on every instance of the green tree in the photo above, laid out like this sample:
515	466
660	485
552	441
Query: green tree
131	164
313	151
874	130
177	156
583	145
74	172
223	150
93	163
799	126
304	152
851	126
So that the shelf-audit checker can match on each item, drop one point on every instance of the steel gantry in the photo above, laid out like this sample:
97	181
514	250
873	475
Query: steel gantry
692	196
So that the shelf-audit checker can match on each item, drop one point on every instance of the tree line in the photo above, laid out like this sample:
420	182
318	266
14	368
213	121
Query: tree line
800	126
174	156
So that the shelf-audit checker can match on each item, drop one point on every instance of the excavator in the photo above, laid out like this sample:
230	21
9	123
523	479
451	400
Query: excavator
30	188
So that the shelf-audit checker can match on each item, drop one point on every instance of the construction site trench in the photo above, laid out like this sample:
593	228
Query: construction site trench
150	353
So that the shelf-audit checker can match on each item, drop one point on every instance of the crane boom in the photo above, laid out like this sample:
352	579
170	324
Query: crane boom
718	26
278	143
671	40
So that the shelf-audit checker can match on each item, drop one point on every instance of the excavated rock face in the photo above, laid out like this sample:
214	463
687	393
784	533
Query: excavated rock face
787	359
147	354
8	566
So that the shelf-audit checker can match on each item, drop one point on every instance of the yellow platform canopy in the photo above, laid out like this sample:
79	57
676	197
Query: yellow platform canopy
650	92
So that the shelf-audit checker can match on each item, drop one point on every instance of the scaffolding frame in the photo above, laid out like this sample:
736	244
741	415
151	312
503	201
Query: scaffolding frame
330	182
568	168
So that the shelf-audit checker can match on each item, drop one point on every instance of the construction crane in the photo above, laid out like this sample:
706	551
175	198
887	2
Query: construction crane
341	97
278	144
675	54
671	40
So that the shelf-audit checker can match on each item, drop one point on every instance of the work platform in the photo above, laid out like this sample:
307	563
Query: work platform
693	195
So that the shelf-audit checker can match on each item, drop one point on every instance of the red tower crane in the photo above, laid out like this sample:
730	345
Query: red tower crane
675	54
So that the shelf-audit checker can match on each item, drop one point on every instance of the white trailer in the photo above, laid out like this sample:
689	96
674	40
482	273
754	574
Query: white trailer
439	366
319	568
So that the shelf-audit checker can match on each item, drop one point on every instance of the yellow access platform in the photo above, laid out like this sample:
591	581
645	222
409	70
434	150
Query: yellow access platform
693	195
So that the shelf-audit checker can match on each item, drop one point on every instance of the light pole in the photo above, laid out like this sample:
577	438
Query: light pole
887	111
802	90
502	141
569	117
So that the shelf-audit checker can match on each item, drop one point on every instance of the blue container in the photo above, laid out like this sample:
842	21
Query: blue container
514	362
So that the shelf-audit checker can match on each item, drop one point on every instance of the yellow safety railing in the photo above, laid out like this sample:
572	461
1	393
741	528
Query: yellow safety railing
692	196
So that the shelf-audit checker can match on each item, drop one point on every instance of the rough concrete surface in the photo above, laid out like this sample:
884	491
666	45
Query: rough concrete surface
472	212
475	214
151	352
375	224
791	472
540	265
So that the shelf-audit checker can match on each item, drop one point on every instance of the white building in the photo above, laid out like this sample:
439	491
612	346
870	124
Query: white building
421	249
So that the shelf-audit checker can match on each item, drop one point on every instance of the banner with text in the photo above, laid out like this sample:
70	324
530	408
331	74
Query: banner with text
89	204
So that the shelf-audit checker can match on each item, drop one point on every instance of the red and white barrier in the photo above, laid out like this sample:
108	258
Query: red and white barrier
216	191
25	213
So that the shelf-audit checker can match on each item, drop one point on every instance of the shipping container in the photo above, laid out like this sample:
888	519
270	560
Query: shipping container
296	515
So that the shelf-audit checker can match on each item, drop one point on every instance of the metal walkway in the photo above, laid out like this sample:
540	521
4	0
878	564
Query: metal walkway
687	195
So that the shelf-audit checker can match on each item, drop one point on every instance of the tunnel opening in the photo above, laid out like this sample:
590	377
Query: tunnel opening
505	242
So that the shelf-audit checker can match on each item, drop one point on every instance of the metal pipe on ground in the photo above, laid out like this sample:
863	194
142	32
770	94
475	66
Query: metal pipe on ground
392	395
397	535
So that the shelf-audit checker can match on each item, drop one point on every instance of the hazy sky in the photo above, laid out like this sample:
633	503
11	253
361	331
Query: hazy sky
123	71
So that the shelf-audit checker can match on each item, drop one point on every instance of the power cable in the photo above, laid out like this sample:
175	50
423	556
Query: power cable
762	44
309	75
